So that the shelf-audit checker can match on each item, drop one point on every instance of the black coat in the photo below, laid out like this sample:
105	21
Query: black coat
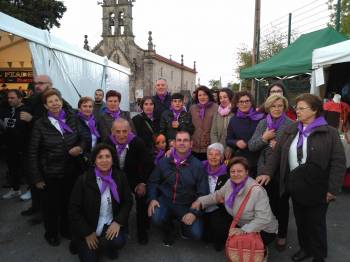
138	163
145	129
48	149
159	106
86	134
85	202
106	121
166	120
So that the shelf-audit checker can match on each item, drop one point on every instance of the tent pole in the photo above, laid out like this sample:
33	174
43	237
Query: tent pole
289	27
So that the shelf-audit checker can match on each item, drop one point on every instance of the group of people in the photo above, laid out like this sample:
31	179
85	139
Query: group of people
187	169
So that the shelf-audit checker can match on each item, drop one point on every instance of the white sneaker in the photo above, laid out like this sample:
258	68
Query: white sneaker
11	194
26	196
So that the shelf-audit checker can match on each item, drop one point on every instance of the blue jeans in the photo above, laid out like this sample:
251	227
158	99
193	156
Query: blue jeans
168	211
109	247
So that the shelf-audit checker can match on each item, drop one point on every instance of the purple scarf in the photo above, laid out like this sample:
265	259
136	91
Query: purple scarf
271	124
180	160
91	123
121	147
320	121
176	113
202	108
115	114
162	97
108	181
61	116
159	156
221	170
252	114
235	190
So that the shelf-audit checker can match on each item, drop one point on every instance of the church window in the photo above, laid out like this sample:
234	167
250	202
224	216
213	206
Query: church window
111	23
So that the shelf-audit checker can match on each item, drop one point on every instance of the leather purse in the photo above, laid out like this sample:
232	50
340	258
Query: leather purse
247	247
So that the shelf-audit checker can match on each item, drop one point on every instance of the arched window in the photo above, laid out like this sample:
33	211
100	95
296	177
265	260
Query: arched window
112	23
121	23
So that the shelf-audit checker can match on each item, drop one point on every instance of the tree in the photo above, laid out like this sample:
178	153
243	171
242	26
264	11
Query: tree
214	84
344	15
43	14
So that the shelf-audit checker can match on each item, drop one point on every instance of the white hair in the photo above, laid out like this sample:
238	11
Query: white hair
216	146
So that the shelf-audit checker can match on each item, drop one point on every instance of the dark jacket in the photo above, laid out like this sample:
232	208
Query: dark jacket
86	134
106	122
16	132
181	186
185	123
99	108
324	149
138	163
48	149
159	106
85	202
242	129
145	129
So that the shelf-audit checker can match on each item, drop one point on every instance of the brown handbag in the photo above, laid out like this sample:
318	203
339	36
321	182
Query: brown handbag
246	247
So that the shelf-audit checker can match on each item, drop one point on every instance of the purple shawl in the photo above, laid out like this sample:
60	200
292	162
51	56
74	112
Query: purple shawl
320	121
108	181
60	118
252	114
275	124
91	123
235	190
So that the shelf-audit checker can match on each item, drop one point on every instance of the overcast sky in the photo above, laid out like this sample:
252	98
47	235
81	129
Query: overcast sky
206	31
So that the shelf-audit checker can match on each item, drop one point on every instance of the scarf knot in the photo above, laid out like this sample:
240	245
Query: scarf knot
251	114
203	108
221	170
275	123
224	111
114	114
178	160
320	121
91	123
60	118
235	190
107	181
122	147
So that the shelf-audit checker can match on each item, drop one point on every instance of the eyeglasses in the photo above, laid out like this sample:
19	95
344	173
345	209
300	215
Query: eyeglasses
244	102
301	108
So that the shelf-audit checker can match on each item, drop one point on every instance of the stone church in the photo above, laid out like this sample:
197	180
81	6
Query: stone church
146	66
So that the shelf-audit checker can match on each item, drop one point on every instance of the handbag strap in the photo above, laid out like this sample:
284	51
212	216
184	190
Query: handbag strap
242	207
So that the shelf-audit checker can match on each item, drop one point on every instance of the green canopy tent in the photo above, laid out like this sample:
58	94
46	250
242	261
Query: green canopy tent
296	58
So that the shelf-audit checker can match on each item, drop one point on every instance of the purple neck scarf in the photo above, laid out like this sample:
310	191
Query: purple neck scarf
176	113
202	108
320	121
91	123
235	190
122	147
180	160
108	181
115	114
162	97
252	114
64	127
271	124
221	170
159	156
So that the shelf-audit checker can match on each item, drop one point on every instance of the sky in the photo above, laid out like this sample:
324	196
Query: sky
206	31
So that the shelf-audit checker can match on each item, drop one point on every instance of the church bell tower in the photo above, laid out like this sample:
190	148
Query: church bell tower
117	18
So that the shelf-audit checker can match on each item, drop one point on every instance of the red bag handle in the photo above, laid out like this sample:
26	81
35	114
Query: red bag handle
242	207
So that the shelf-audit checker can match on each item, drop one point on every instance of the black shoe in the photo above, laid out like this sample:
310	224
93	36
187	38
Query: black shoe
300	256
52	240
142	238
73	249
112	254
29	212
169	239
35	221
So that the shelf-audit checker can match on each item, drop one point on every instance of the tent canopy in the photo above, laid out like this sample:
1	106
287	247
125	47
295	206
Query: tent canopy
333	54
74	71
296	58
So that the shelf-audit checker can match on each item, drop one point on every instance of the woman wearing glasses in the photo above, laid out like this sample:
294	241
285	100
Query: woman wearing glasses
242	127
311	163
267	134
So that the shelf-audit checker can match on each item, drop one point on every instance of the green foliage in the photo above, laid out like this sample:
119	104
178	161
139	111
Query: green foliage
344	15
43	14
214	84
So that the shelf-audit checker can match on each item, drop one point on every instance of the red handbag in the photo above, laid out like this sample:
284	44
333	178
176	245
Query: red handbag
247	247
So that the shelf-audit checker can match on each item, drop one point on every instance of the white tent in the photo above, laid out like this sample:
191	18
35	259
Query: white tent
74	71
325	57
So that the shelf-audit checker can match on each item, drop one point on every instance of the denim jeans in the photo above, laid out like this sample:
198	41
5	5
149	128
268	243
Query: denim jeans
168	211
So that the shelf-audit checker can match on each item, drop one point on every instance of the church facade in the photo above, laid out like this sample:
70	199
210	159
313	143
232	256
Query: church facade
145	64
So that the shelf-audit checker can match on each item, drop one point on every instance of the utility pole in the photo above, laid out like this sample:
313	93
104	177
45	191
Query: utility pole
255	88
337	21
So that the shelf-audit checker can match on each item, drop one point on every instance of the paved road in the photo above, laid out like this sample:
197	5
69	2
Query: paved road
21	242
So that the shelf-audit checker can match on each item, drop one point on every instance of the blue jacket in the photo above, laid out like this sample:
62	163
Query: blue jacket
181	186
